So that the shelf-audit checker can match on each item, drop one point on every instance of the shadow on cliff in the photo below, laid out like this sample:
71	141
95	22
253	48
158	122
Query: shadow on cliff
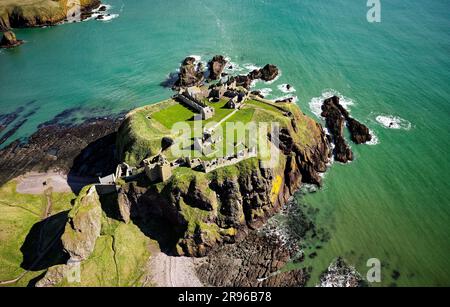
160	230
97	159
43	246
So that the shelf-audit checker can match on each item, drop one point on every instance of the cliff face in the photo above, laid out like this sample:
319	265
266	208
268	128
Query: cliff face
35	13
207	210
83	227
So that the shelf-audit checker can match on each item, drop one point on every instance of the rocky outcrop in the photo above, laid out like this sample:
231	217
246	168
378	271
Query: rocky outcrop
255	261
191	74
359	133
285	100
341	275
124	205
9	40
335	122
267	73
81	150
257	94
84	226
336	116
216	67
207	210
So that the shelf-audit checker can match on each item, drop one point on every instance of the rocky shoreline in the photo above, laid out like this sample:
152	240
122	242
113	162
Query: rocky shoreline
41	14
220	220
70	149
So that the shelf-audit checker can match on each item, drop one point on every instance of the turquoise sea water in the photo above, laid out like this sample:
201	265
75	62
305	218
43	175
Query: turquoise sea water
392	203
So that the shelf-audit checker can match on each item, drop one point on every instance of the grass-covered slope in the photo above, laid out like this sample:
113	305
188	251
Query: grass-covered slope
109	252
210	208
25	233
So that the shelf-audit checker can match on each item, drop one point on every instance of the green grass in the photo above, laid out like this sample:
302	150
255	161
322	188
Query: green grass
120	255
18	214
173	114
119	259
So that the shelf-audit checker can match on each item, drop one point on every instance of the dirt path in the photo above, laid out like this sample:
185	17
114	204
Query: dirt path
33	182
170	271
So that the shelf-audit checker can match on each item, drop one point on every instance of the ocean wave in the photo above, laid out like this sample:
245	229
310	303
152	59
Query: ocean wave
266	91
105	14
107	8
315	104
393	122
251	67
375	140
232	67
198	58
286	88
108	17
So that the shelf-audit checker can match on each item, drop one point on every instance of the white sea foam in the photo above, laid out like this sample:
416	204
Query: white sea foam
315	104
393	122
232	67
266	91
286	88
109	17
375	140
198	58
107	6
251	67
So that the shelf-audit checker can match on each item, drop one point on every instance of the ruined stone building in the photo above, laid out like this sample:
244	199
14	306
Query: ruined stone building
158	169
192	97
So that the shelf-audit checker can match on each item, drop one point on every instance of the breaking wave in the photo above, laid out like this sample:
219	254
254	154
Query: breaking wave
393	122
315	105
286	88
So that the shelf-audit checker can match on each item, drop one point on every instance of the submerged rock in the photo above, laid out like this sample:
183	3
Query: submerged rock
341	275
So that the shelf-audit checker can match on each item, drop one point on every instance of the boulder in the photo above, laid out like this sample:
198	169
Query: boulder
216	67
9	40
269	72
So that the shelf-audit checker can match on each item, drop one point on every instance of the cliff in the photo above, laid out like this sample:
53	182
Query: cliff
103	251
35	13
206	210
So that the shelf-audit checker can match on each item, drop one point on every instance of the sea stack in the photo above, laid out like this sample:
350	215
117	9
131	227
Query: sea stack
9	40
216	67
